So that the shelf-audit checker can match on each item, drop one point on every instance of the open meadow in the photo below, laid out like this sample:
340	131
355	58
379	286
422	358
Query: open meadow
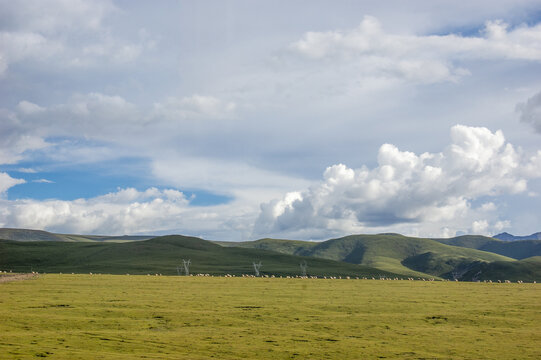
172	317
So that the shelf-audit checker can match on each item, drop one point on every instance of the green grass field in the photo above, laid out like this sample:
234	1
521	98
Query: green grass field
136	317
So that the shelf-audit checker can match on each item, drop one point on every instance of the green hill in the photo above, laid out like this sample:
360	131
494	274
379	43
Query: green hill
518	249
40	235
163	255
290	247
390	252
528	270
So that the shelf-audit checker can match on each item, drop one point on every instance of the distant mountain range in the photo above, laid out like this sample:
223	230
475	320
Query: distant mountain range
508	237
40	235
466	257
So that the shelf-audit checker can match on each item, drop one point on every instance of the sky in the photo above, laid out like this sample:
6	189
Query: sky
238	120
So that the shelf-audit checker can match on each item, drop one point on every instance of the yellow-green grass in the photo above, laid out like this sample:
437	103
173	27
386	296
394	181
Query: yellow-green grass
136	317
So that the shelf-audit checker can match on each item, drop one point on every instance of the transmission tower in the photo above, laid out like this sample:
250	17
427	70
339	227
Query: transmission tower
257	266
303	266
185	267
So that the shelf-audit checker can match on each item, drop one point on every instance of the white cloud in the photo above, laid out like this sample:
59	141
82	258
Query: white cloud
92	115
7	182
530	111
16	138
59	32
479	227
430	193
28	108
111	117
18	46
43	181
127	211
27	170
194	107
51	16
368	51
219	175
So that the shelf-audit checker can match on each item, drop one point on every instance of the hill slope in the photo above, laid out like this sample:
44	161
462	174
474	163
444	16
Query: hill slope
519	249
40	235
291	247
508	237
526	270
389	252
162	255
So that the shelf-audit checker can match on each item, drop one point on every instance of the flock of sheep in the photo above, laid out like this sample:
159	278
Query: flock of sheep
316	277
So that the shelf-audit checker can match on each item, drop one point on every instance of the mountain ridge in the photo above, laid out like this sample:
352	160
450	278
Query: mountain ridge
164	255
505	236
387	252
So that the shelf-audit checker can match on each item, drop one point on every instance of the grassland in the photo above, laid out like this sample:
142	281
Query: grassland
153	317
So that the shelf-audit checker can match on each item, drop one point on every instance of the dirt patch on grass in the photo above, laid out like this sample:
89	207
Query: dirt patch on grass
15	277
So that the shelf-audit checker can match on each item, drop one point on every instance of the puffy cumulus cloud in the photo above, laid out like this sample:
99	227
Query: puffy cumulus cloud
530	111
130	211
70	33
429	194
7	181
122	212
368	51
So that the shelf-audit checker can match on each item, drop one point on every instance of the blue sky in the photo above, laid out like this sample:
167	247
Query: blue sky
236	120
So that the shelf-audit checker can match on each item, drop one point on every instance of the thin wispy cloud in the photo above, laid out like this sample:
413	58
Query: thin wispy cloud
43	181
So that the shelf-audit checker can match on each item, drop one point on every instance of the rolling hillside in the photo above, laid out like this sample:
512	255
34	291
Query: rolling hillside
527	270
290	247
390	252
408	256
518	249
162	255
39	235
